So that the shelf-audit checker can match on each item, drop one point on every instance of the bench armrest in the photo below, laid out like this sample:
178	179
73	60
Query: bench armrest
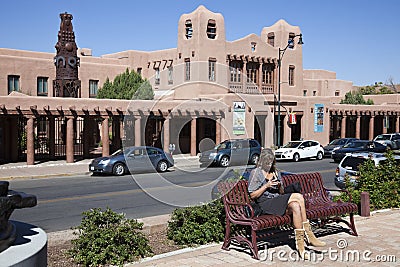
227	202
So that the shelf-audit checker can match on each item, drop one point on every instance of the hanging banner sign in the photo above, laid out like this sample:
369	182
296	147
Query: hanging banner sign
239	117
292	118
318	118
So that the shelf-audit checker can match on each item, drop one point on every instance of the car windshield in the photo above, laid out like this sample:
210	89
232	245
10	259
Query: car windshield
352	163
382	137
120	152
354	145
223	145
337	142
292	145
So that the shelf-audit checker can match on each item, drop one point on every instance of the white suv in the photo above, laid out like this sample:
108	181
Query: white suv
349	166
392	140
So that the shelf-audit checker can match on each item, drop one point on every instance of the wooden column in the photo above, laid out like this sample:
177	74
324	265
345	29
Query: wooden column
397	123
217	131
193	137
371	127
105	139
70	140
343	127
358	124
166	135
138	132
30	141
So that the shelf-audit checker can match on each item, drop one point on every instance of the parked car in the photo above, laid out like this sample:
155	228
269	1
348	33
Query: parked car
296	150
133	159
336	144
350	164
358	146
392	141
235	174
235	151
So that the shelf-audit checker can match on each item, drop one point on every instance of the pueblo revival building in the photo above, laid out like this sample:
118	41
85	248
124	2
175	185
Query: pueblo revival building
207	89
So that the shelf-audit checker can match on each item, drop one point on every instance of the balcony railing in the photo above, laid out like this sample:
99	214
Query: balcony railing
250	88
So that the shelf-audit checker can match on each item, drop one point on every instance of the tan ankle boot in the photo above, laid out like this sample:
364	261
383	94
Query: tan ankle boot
299	237
311	239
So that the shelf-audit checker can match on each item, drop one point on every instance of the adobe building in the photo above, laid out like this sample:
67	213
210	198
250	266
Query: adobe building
207	88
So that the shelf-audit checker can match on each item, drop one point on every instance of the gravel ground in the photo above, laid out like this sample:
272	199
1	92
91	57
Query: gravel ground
60	242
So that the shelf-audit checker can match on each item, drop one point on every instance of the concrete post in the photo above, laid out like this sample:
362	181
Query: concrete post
193	137
105	138
343	127
371	127
217	131
70	140
358	125
166	135
138	132
30	141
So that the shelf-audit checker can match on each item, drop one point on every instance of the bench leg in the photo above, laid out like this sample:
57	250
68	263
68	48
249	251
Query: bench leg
253	247
227	239
353	225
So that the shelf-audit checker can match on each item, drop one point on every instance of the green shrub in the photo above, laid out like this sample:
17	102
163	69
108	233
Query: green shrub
105	237
197	225
382	182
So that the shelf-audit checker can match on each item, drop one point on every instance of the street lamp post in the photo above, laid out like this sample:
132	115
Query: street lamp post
281	53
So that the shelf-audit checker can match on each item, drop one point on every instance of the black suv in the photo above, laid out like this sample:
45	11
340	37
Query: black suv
235	151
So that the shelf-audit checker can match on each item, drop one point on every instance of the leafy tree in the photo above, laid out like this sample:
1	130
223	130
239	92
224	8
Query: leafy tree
355	98
127	85
377	89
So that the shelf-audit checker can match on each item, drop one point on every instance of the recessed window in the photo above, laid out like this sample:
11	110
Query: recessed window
211	29
13	83
268	73
139	71
211	69
291	75
235	68
252	72
157	76
314	93
42	86
253	47
170	75
271	39
337	93
291	40
187	69
304	92
189	29
93	87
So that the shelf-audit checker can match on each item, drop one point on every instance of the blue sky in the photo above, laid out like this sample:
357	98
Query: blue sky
356	39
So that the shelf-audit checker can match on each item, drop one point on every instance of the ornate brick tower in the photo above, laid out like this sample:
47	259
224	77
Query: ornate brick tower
67	83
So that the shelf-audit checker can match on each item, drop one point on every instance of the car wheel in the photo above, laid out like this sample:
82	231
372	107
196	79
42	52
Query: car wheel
224	161
296	157
319	155
162	166
254	159
119	169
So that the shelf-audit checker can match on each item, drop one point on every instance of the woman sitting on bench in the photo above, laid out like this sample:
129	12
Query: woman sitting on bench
266	189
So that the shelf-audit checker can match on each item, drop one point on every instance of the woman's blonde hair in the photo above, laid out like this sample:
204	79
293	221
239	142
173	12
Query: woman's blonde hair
267	160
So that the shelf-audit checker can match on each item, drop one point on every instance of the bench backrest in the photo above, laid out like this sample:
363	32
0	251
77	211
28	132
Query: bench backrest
312	187
234	192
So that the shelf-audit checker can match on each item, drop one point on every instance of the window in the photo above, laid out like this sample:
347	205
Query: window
271	39
253	47
337	93
170	75
291	75
304	92
187	69
211	70
189	29
13	83
235	68
291	40
267	75
157	76
42	87
314	93
252	69
93	87
139	71
211	29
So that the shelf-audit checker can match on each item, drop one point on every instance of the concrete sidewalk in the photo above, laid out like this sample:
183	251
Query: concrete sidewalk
378	244
46	169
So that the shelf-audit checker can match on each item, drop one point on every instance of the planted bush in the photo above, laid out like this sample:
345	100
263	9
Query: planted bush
382	182
197	225
106	237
